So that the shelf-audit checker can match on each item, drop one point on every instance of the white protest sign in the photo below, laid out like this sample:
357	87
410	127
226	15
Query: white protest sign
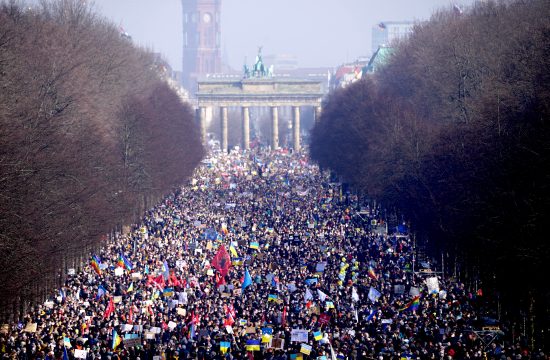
299	335
433	285
80	354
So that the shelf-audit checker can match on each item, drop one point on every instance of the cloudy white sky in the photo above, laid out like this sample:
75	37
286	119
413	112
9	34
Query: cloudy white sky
317	32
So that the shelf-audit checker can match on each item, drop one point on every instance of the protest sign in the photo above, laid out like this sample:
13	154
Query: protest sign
80	354
299	335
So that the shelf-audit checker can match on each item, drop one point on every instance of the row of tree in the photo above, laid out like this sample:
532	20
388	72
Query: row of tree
90	136
454	132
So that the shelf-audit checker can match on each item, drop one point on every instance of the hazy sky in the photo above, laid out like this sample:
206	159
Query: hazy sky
317	32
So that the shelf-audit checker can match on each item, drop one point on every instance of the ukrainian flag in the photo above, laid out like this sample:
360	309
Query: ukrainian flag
233	251
116	340
267	334
318	335
130	288
168	292
252	345
224	346
272	297
254	245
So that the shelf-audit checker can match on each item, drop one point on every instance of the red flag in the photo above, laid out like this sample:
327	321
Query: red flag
173	280
110	308
283	317
131	315
157	282
220	280
222	261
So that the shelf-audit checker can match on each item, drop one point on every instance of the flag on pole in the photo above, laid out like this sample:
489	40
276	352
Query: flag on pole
372	274
95	263
67	342
130	288
65	355
110	308
247	280
374	294
322	295
127	264
412	305
222	261
272	297
116	340
100	292
354	295
372	314
308	295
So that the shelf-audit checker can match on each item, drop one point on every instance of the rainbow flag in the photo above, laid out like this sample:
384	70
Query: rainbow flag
252	345
224	346
116	340
95	264
125	262
372	274
412	305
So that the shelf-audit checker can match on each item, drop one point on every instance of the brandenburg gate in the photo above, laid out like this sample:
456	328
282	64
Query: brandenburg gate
261	92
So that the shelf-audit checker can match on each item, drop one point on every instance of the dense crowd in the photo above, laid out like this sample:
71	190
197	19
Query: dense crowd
257	257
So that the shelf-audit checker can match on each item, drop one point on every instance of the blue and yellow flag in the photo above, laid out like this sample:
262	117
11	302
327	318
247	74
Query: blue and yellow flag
318	335
116	340
252	345
224	346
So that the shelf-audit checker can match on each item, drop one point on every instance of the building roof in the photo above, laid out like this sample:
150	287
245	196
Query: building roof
379	58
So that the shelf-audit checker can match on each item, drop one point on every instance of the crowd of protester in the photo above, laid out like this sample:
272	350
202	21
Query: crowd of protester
258	257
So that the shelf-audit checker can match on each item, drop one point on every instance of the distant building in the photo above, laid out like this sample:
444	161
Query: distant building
387	32
201	40
349	73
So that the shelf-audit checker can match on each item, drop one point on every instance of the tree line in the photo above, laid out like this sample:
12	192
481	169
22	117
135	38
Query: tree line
91	135
454	132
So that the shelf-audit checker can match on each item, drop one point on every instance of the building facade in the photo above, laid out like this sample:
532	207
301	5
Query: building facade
387	32
201	40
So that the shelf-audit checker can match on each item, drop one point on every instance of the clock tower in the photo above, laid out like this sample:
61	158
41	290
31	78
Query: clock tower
201	40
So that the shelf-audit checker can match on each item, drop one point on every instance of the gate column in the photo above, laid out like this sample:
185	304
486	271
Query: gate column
246	127
274	127
296	128
223	116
